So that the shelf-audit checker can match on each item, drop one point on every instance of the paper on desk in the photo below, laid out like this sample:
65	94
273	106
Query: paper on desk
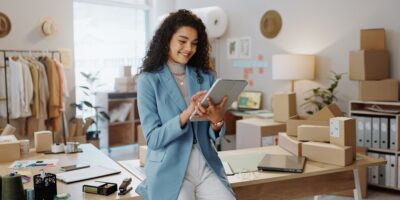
244	163
33	163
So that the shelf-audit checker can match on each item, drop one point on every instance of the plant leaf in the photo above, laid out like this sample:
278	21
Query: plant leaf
88	104
84	87
105	115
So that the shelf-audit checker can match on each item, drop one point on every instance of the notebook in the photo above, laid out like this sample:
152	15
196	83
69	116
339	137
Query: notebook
85	174
283	163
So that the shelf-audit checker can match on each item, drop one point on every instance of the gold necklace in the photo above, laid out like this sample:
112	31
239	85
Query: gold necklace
181	81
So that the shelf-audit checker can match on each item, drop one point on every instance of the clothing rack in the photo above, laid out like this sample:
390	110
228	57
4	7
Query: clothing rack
5	62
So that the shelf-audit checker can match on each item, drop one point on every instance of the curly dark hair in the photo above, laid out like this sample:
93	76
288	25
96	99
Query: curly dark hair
157	53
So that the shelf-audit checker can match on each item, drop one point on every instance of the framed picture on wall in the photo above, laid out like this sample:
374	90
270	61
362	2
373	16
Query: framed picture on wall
245	47
232	48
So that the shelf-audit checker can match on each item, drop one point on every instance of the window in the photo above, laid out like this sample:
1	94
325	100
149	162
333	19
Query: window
108	34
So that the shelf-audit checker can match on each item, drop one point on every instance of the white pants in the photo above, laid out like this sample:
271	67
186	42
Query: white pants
200	182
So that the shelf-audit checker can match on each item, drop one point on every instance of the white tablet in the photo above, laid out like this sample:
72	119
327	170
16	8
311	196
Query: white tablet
221	88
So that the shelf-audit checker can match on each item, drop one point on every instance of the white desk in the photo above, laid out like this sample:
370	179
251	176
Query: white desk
90	155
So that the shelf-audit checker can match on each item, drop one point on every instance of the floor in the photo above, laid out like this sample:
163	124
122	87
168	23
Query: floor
132	151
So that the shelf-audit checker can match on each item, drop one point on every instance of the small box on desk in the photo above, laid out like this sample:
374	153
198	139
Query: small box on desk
326	113
9	148
292	124
383	90
43	141
369	65
141	140
249	132
328	153
313	133
284	106
343	132
290	144
142	155
100	187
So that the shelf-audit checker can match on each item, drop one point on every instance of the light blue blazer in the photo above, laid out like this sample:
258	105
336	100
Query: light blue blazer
160	102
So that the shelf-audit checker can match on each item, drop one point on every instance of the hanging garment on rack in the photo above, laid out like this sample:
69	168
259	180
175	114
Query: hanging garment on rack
3	103
15	89
43	90
55	100
27	95
35	83
63	80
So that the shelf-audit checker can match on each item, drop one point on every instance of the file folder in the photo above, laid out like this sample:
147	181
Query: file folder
373	171
368	132
382	171
393	133
360	131
375	132
384	133
387	171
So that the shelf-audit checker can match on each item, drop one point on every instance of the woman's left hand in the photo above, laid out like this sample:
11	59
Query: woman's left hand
213	112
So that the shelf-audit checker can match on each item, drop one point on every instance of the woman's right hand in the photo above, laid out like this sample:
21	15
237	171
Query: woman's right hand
195	99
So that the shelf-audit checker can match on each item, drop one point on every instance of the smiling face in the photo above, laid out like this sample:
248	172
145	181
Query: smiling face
183	45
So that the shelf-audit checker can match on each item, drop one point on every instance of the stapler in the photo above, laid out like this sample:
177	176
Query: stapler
123	188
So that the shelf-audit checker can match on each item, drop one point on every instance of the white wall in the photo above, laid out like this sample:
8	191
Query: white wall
25	15
328	29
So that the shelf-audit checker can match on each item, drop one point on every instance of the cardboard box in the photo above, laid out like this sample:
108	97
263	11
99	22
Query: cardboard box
249	132
9	148
284	106
328	153
124	84
373	39
369	65
43	141
343	132
292	124
313	133
290	144
384	90
327	112
142	155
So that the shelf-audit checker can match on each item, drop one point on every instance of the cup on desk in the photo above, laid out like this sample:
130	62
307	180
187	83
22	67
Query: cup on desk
71	147
24	147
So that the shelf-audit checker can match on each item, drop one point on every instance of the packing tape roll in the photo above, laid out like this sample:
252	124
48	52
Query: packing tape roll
57	148
214	18
12	187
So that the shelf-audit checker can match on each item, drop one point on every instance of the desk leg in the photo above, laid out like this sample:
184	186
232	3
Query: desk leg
357	190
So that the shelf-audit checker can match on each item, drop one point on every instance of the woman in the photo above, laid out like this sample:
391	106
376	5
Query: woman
181	161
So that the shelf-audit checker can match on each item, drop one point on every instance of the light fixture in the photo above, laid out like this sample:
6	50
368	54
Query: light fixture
293	67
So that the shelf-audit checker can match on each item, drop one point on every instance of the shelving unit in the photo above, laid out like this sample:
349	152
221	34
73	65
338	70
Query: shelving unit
362	109
118	133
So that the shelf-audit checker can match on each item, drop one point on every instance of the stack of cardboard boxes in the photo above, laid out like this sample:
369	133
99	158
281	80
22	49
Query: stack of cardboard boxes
326	137
370	66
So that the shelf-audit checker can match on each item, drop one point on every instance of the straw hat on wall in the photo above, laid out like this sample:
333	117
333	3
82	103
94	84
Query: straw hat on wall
48	27
270	24
5	25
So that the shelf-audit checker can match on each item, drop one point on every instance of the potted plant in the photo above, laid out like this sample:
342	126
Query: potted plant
321	97
87	106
